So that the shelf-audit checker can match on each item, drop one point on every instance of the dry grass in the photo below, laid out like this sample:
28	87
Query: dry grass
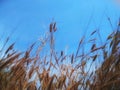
21	71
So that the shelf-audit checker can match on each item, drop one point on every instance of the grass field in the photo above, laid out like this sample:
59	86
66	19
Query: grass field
97	69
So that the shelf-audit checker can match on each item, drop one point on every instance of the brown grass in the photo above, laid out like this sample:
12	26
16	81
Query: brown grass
21	71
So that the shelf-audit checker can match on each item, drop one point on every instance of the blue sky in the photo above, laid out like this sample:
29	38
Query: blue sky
31	18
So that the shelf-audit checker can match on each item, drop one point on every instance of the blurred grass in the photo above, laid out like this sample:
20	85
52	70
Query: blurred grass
97	69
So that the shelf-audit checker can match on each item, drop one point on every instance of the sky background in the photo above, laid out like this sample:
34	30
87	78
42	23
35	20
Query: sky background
28	20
